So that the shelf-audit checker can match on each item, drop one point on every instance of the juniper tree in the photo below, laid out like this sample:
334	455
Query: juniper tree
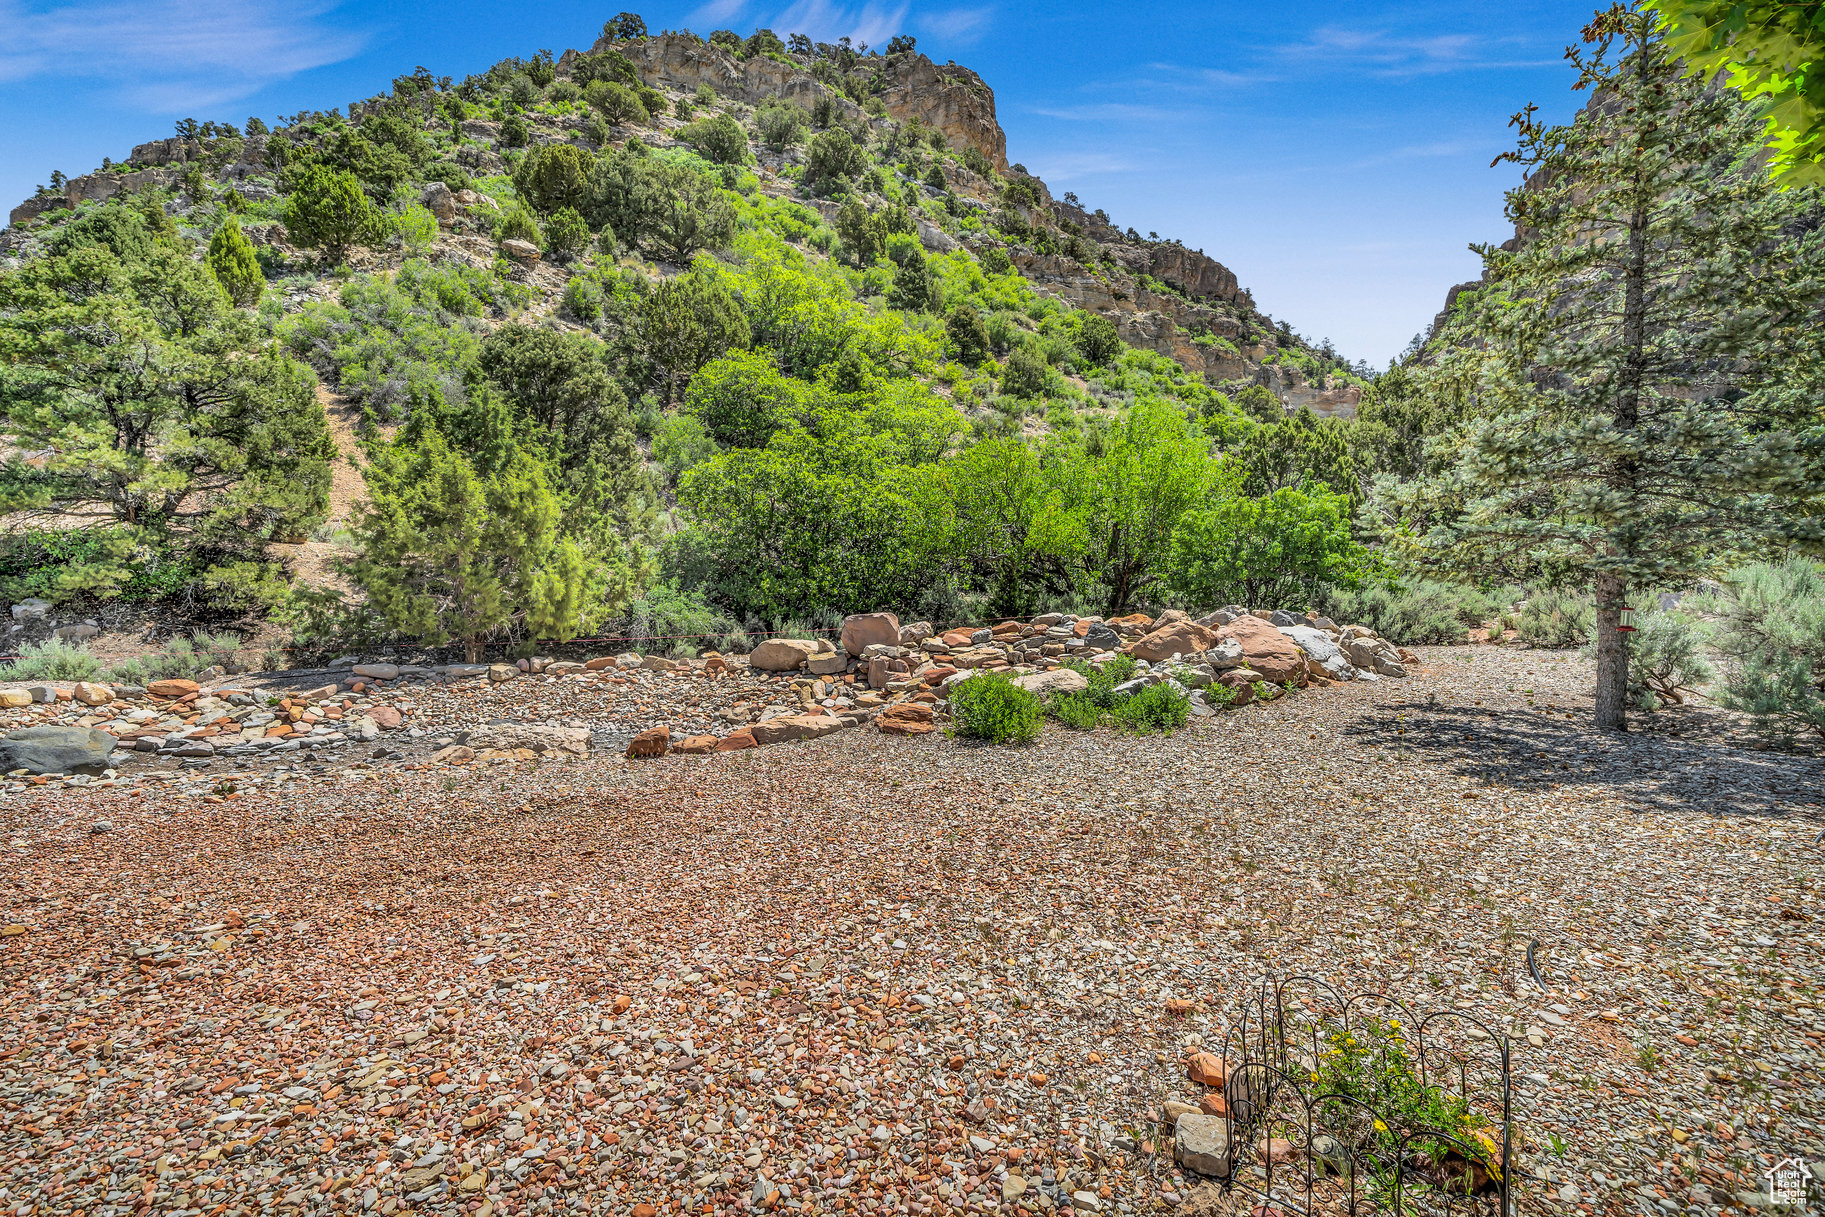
1641	373
232	261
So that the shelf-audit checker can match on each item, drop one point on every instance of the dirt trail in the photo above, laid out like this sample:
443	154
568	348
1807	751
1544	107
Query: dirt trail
309	560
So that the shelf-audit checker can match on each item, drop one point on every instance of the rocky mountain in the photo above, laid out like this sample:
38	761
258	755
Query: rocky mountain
1161	295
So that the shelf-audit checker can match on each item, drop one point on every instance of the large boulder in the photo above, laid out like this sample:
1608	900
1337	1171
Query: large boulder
1182	637
794	726
1265	649
1200	1144
863	630
1225	653
1318	646
1378	655
441	201
782	654
56	750
1058	680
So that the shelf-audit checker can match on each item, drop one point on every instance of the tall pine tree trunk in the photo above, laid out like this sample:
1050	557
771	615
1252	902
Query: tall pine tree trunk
1612	655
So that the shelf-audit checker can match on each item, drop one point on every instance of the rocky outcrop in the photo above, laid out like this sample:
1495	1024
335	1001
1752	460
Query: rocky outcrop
1291	387
684	61
949	98
90	188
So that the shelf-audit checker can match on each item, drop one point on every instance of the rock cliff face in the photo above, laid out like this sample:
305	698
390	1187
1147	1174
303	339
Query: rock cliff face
951	99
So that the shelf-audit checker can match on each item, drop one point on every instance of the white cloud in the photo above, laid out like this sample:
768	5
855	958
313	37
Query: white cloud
1109	111
715	13
169	55
1075	167
823	21
1390	54
957	25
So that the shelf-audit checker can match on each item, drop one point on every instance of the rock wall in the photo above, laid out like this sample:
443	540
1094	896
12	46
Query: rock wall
1295	391
951	99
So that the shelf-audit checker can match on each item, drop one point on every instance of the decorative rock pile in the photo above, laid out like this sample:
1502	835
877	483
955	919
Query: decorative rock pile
897	677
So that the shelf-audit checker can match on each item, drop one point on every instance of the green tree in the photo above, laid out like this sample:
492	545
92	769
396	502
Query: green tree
231	260
514	132
742	398
554	176
1645	365
448	548
1277	550
687	322
832	161
861	236
720	139
1025	374
781	124
1097	339
680	212
1301	450
1770	51
566	235
565	399
963	325
912	284
615	102
163	409
328	212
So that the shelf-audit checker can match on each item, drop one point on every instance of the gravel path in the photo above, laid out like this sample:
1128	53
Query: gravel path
869	974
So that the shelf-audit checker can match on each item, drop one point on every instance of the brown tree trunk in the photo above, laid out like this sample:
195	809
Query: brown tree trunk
1612	656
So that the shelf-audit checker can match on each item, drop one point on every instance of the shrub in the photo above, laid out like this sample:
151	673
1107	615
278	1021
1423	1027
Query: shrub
1098	340
452	175
181	658
833	160
995	261
1410	614
1156	710
663	618
329	212
1556	619
232	261
417	229
720	139
52	659
514	132
1772	640
965	329
566	234
516	224
1025	375
583	299
1272	551
680	443
1666	659
781	124
615	102
991	707
554	177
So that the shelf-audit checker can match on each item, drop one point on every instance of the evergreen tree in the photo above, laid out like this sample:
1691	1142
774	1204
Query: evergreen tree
687	322
328	212
166	411
968	333
1643	369
451	547
232	262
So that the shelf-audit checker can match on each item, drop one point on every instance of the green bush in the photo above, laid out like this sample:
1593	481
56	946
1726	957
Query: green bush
52	659
1156	710
553	177
1772	640
329	212
720	139
1666	659
566	235
663	617
832	161
181	658
615	102
417	229
1269	552
964	327
1025	375
991	707
781	124
516	223
514	132
1409	614
1556	619
231	259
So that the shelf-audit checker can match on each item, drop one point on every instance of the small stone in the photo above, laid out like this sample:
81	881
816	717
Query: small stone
1205	1069
387	718
520	251
735	741
696	745
500	673
172	688
1012	1188
100	828
377	671
91	694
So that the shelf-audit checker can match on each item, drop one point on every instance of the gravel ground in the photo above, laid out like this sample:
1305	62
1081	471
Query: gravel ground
870	974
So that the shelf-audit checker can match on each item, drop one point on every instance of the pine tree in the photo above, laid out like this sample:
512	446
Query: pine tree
328	211
1642	369
232	261
455	547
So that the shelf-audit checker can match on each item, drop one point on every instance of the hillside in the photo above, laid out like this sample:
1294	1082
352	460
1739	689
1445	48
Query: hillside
1162	296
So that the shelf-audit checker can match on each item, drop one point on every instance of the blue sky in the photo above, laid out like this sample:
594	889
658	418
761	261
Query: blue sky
1335	156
